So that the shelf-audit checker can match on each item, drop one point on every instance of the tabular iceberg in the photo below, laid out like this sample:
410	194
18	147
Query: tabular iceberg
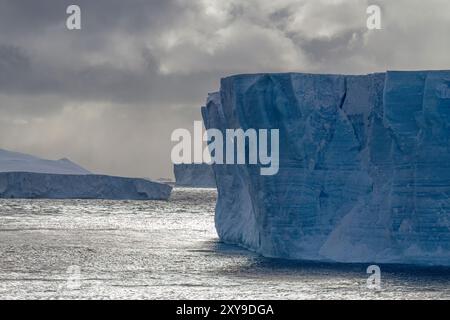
364	166
63	186
194	175
25	176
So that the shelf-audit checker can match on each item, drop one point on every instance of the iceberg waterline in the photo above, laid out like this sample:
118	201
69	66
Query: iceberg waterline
364	166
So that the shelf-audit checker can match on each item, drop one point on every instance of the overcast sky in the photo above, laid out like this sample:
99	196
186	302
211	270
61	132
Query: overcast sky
109	95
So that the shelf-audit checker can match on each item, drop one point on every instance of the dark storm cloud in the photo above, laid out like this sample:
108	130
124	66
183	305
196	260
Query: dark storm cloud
19	75
28	17
14	66
109	95
29	26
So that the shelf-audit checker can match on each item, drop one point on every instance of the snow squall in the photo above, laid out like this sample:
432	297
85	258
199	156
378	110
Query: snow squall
364	166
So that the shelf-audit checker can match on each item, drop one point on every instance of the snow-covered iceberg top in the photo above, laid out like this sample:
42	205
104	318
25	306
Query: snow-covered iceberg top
364	166
20	162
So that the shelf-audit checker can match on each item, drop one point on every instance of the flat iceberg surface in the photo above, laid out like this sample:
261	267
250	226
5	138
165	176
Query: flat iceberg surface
364	166
20	162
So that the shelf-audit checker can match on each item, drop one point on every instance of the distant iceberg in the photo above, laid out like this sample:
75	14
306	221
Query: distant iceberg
20	162
194	175
364	166
25	176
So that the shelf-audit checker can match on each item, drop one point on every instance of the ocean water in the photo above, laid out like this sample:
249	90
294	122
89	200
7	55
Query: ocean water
80	249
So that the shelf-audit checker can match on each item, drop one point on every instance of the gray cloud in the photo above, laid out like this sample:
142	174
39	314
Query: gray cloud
108	96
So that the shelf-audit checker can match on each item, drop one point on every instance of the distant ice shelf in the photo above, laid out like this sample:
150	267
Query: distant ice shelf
364	166
25	176
194	175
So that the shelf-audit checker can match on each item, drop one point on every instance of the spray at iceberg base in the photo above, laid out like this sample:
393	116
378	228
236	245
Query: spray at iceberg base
364	168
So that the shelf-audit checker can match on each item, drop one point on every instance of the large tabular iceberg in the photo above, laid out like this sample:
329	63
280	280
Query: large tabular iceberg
25	176
194	175
364	166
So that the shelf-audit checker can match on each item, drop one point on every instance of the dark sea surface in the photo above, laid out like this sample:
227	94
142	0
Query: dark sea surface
84	249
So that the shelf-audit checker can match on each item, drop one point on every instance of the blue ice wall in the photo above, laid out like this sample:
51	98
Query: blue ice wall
364	166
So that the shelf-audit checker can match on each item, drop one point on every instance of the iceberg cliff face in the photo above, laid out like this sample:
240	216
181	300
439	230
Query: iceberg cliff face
364	166
194	175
